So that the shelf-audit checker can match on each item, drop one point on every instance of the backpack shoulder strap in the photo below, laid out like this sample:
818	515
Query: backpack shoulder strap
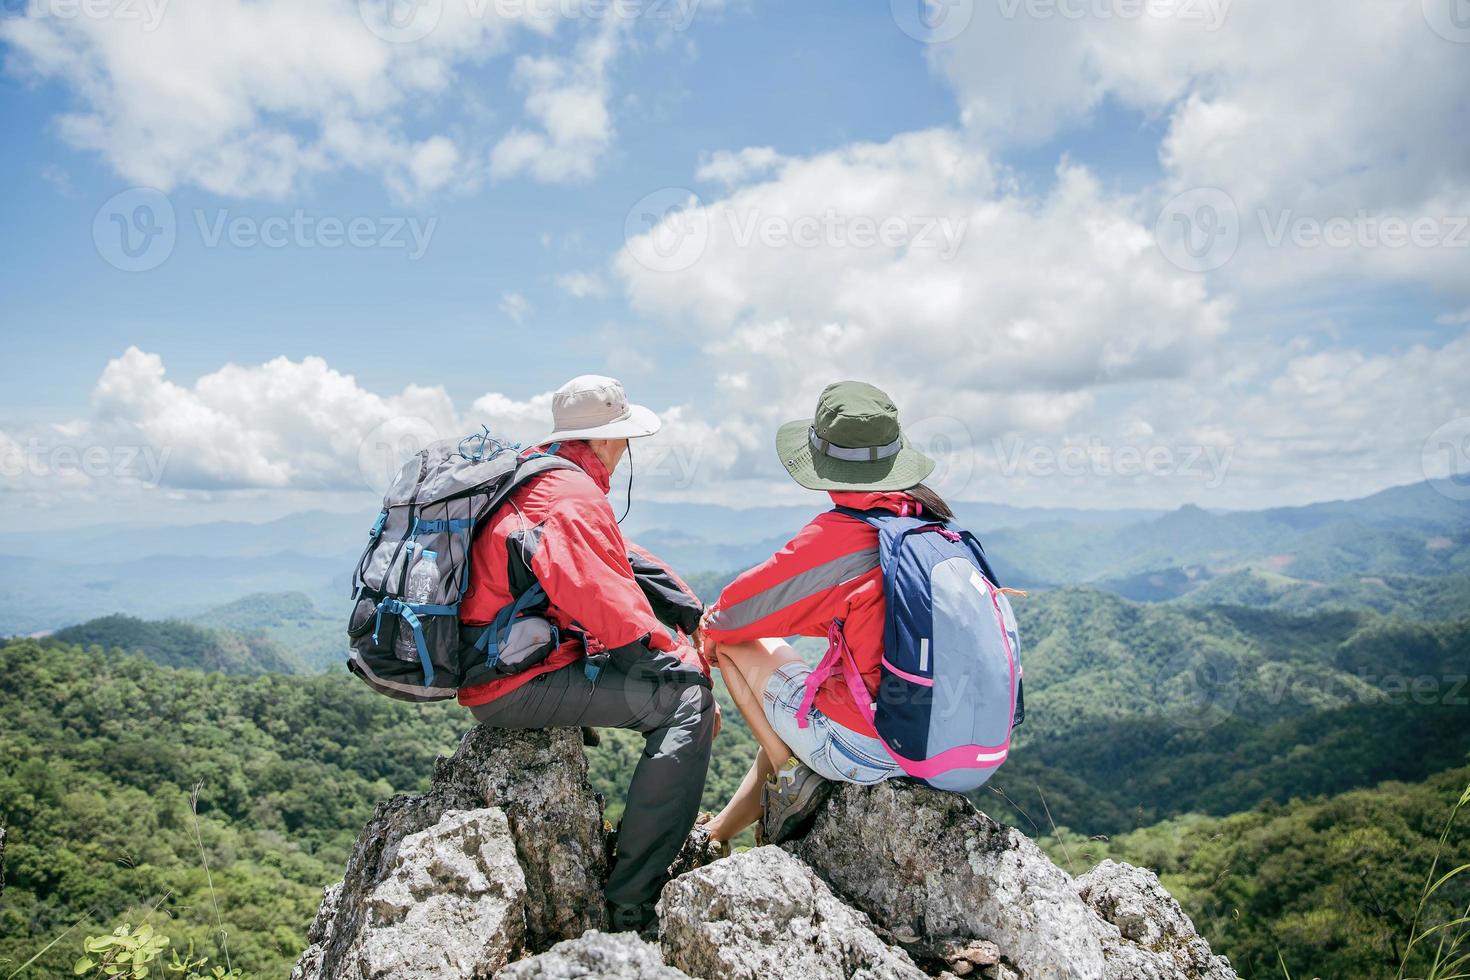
531	466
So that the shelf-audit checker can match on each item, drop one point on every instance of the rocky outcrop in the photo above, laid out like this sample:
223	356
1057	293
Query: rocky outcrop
763	913
1146	916
538	780
452	902
596	955
936	873
498	871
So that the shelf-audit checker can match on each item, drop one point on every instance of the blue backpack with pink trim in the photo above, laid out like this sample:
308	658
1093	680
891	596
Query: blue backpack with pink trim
950	687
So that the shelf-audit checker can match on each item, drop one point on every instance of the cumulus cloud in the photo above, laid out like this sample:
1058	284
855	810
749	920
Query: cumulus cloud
977	290
1304	113
1054	327
248	97
567	99
294	427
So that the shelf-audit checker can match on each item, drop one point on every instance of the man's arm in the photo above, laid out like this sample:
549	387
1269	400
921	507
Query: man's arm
581	561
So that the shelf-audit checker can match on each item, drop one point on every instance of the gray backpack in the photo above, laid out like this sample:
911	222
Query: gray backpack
405	635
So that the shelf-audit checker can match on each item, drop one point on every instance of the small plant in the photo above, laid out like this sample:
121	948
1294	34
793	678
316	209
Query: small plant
1450	956
129	954
125	953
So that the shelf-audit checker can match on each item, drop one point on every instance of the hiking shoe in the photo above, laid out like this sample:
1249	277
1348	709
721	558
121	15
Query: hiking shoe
642	919
790	800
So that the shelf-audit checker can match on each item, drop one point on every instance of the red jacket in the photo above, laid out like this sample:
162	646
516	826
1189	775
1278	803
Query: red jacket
828	571
562	525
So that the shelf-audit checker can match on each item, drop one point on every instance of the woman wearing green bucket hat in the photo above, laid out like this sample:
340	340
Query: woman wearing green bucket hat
855	449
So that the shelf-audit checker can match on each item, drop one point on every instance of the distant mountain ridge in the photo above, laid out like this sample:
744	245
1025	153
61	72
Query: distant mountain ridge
172	643
49	579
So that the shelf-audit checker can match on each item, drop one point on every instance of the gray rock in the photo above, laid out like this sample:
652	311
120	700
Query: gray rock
539	781
452	904
1146	915
596	956
931	870
2	860
763	913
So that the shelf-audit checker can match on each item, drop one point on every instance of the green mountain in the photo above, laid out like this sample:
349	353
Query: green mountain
1137	713
292	620
1411	530
1319	887
178	644
1406	596
1102	659
99	759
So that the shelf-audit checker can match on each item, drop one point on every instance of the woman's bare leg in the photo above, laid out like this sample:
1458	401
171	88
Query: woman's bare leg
744	807
746	668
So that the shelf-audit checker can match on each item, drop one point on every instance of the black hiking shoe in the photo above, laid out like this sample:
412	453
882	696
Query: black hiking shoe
790	800
642	919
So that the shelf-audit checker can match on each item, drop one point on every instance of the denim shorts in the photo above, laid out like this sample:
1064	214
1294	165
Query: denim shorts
833	751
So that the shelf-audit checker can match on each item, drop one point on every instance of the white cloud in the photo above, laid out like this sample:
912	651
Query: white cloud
249	97
568	100
515	306
581	285
1033	299
1056	323
287	426
1312	110
729	168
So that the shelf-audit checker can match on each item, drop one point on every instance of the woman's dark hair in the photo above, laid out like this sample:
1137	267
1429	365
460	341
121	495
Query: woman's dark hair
933	504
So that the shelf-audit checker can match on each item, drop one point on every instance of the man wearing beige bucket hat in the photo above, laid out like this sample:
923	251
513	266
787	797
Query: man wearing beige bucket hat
558	532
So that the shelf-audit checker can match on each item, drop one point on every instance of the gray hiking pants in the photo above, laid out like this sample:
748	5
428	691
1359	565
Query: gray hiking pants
677	720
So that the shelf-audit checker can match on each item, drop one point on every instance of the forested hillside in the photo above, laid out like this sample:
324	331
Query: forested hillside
101	753
1322	887
1136	714
173	643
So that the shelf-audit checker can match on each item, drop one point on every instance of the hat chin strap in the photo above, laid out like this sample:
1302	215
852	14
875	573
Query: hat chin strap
864	454
628	505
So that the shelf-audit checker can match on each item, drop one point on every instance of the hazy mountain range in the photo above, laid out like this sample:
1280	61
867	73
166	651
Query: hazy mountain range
56	578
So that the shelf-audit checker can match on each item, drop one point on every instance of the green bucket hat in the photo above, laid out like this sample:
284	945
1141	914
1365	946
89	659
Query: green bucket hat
854	443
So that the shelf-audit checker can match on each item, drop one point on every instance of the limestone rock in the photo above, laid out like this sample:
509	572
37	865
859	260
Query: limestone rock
931	870
453	902
762	913
539	781
595	956
1145	914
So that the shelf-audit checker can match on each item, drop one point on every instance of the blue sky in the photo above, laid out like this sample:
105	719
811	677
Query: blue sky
805	78
1054	144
